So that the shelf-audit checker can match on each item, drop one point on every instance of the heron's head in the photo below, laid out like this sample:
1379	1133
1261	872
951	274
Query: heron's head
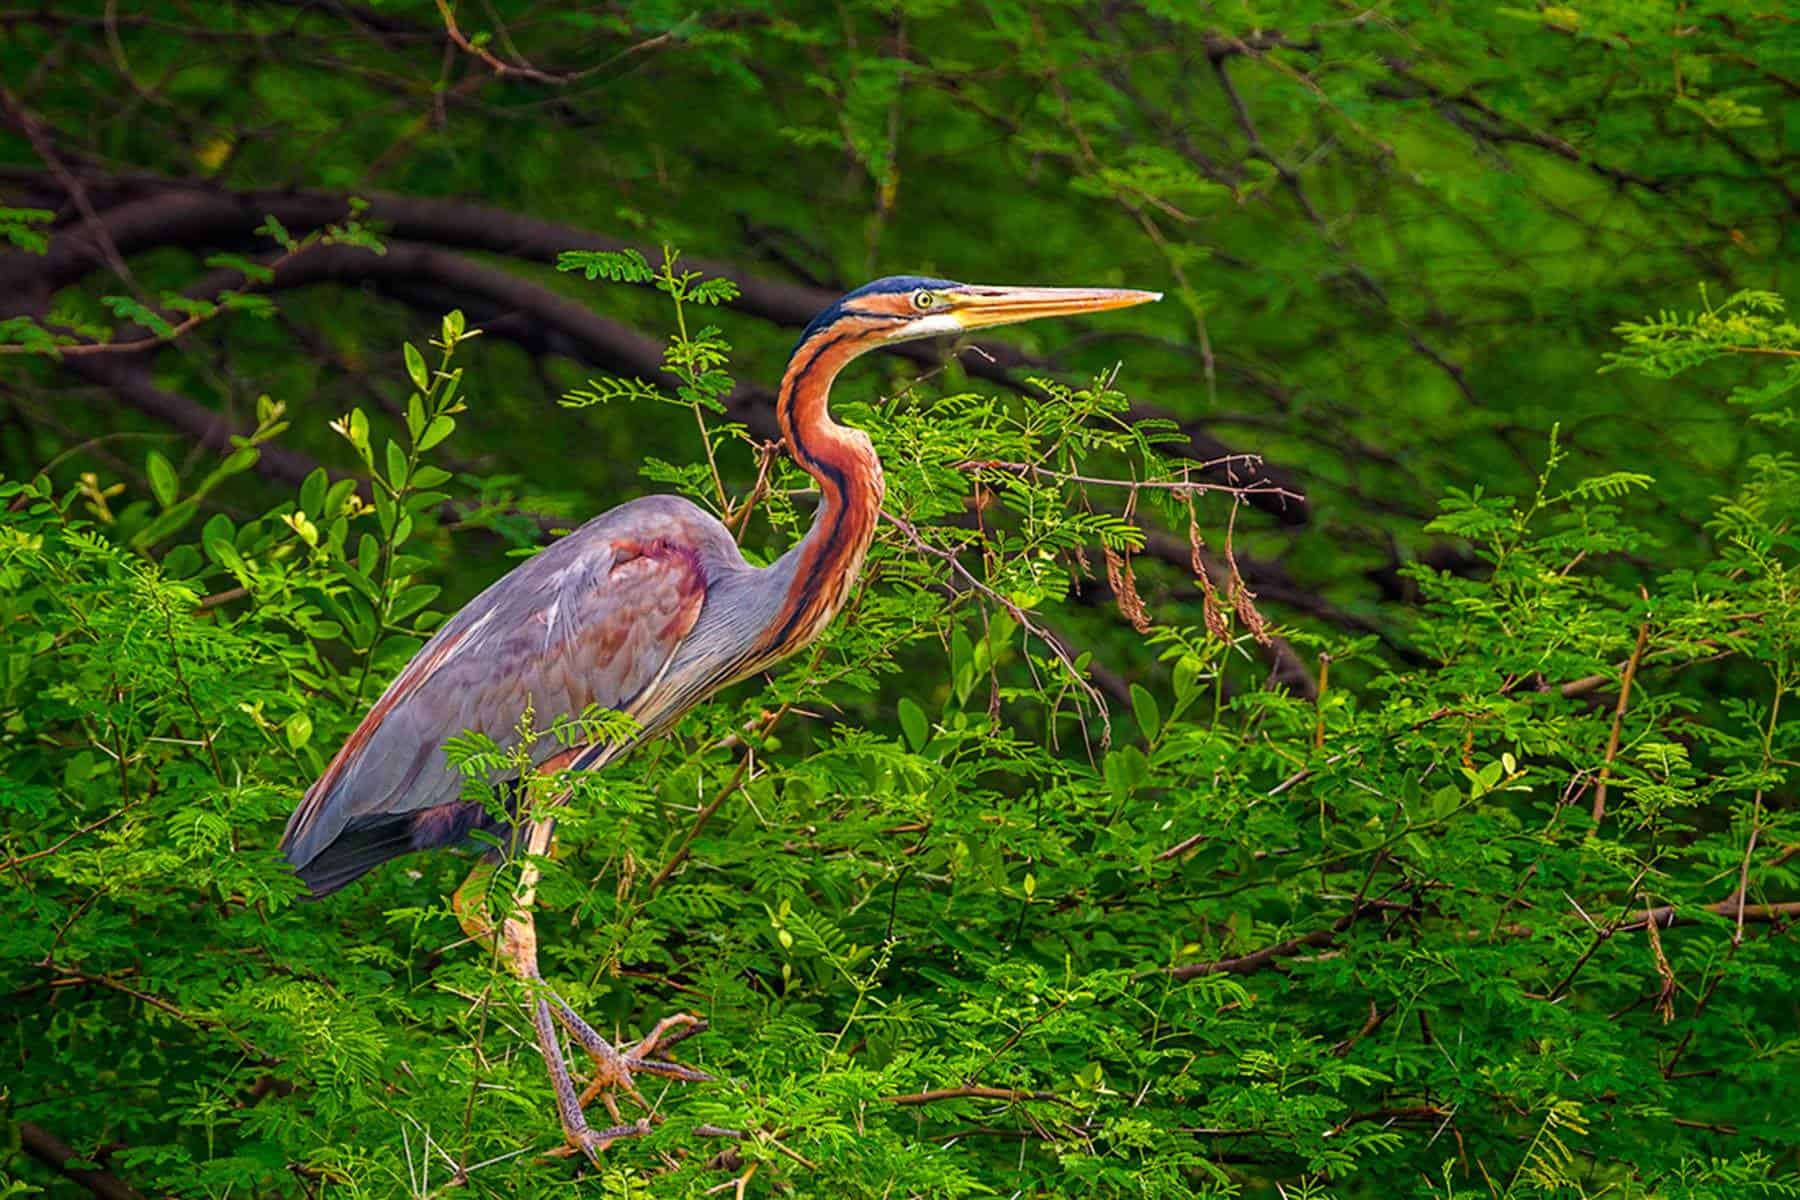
902	308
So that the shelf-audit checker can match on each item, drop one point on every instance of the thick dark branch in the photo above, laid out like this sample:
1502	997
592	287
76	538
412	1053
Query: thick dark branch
200	218
57	1154
128	378
500	303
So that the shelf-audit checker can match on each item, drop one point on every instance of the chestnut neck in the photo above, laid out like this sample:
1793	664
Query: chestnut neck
842	461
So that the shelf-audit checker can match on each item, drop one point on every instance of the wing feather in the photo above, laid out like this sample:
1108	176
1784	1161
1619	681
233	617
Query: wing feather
594	619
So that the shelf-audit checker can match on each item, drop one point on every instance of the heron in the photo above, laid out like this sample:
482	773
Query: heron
648	609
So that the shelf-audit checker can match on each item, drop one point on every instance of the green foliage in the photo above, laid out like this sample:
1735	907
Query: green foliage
1492	926
23	227
1130	835
1744	324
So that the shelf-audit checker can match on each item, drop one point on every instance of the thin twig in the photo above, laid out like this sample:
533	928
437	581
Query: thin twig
712	807
700	821
172	334
21	859
1618	721
766	454
977	1092
40	144
1601	937
70	975
523	70
1181	488
1249	964
1018	614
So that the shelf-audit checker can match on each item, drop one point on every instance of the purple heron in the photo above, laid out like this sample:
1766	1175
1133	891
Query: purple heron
647	609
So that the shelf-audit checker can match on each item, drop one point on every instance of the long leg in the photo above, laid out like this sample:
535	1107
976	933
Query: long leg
613	1070
518	948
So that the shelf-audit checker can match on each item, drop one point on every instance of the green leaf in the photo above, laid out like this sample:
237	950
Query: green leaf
163	483
312	492
620	266
1143	706
165	525
337	496
439	429
235	463
249	268
412	600
415	367
385	511
298	729
913	723
962	664
273	228
20	227
127	309
219	547
396	465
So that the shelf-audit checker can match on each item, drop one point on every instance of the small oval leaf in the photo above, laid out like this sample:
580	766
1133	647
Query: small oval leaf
912	722
163	482
415	368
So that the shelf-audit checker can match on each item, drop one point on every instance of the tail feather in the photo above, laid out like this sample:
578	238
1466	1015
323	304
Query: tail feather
367	843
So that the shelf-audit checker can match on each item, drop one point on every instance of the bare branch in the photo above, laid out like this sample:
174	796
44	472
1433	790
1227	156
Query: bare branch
1268	956
1618	720
975	1092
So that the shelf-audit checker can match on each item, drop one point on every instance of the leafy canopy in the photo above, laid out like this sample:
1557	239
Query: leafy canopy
956	932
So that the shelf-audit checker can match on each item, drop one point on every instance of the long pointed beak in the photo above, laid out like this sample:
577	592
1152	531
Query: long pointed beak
980	307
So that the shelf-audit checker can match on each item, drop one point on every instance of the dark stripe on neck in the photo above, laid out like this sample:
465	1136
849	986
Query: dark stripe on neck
806	590
788	402
834	491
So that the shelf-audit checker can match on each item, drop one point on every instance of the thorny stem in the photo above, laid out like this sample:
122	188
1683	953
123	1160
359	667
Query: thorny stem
1601	937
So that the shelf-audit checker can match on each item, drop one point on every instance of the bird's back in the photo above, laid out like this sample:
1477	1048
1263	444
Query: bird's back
594	619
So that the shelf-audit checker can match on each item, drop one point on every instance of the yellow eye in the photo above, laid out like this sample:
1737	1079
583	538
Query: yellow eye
923	300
